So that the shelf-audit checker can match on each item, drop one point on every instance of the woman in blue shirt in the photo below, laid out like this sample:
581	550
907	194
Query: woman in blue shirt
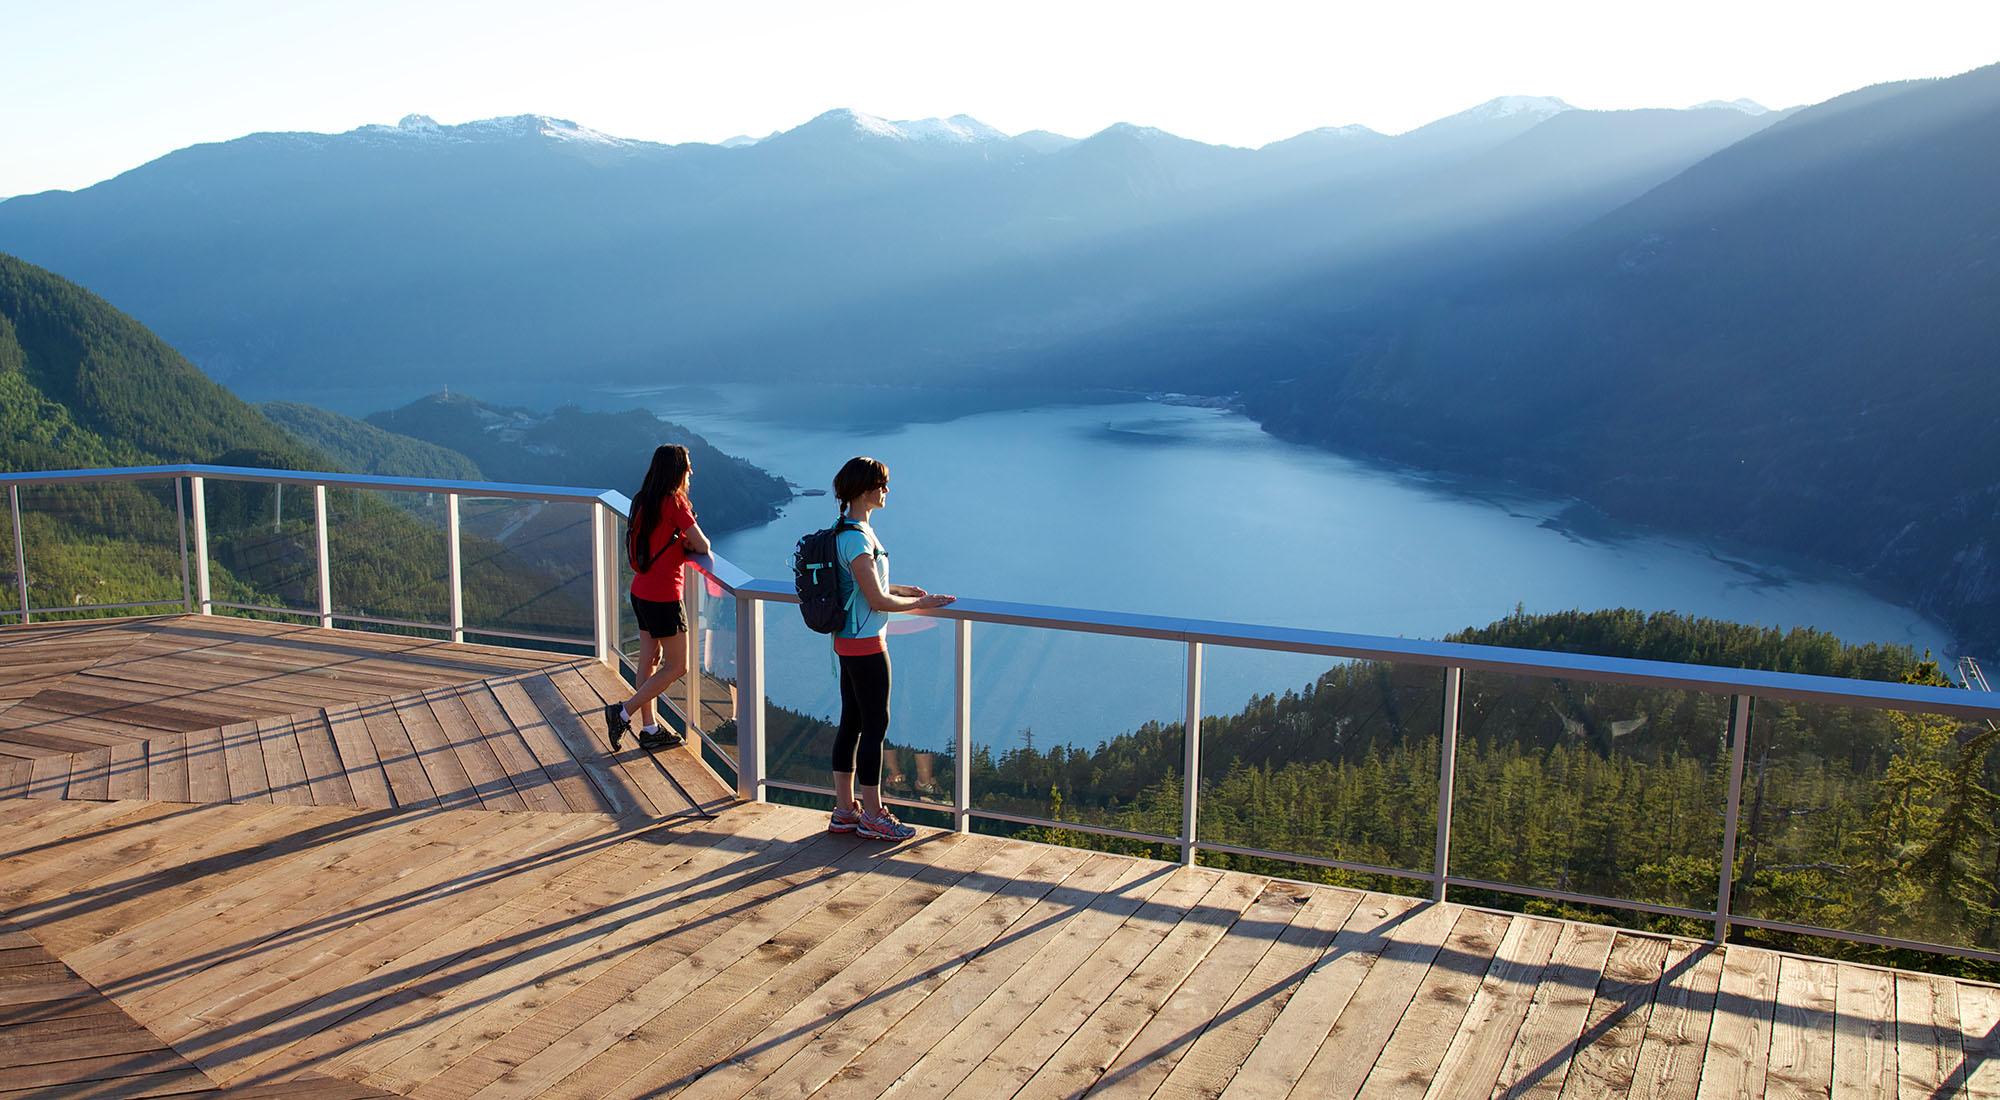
861	647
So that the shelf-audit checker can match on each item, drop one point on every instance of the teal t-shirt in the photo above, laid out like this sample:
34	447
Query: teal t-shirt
854	540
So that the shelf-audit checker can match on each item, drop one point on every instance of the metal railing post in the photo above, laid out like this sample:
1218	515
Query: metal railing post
1191	746
691	594
181	522
1454	685
324	558
454	566
749	699
198	504
961	782
604	585
20	549
1739	743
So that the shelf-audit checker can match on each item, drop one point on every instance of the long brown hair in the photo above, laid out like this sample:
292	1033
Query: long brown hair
666	477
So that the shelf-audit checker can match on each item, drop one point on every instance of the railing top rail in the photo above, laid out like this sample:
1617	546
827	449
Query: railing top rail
617	501
1522	662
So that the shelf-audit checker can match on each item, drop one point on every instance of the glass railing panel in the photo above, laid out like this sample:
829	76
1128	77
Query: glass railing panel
802	705
1320	757
260	544
715	647
1870	821
1082	728
387	555
1611	790
10	597
526	567
97	542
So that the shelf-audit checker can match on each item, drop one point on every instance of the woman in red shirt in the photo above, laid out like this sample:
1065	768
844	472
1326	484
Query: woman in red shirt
660	535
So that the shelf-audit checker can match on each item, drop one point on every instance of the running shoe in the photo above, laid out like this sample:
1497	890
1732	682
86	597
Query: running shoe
845	819
615	723
885	827
661	738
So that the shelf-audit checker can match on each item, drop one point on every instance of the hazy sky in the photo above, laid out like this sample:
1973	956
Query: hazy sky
89	88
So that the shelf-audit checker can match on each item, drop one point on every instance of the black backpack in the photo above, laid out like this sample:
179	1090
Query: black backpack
816	569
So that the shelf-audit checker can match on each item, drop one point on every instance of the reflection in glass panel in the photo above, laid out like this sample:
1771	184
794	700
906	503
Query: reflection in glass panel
386	551
9	592
802	708
715	645
526	566
1319	757
101	542
260	544
1612	790
1870	821
1078	727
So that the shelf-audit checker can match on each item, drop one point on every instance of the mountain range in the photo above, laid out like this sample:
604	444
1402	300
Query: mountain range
1770	327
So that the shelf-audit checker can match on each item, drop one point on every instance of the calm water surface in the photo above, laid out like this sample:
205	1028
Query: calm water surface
1138	506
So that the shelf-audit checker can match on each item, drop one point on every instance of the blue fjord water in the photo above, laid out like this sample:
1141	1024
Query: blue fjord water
1140	506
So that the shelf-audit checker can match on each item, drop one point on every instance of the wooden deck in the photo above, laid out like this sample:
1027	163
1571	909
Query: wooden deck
210	709
445	946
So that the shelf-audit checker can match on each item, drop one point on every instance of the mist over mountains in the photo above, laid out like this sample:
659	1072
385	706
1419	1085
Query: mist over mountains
938	249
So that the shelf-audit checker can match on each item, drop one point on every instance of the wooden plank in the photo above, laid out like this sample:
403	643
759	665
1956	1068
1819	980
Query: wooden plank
444	1019
482	766
691	1054
182	955
81	1071
1408	1064
1084	987
128	770
1928	1046
434	753
1864	1033
690	774
570	694
207	766
167	768
408	783
825	928
49	777
534	784
1214	1059
581	791
1979	1023
16	773
360	764
1540	1061
592	1019
932	1050
1478	1050
1607	1053
292	996
243	755
1676	1040
1159	1046
326	777
588	747
1364	1026
90	775
283	762
1802	1029
807	1045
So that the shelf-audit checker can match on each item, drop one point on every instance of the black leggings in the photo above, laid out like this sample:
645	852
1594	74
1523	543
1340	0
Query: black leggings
864	717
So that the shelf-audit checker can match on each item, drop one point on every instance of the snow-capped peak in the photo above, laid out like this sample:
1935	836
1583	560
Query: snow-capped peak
1747	106
956	130
1508	106
426	128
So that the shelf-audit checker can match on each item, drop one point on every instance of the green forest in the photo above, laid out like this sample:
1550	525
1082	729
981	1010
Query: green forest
1866	821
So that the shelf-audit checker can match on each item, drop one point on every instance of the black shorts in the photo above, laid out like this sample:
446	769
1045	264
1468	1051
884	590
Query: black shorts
660	618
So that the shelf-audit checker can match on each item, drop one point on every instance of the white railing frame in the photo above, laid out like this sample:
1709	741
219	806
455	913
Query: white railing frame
751	596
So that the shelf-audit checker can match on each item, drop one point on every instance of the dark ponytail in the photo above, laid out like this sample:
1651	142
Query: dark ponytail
666	477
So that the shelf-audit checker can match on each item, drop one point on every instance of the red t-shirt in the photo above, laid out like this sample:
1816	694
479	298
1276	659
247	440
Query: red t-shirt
661	582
